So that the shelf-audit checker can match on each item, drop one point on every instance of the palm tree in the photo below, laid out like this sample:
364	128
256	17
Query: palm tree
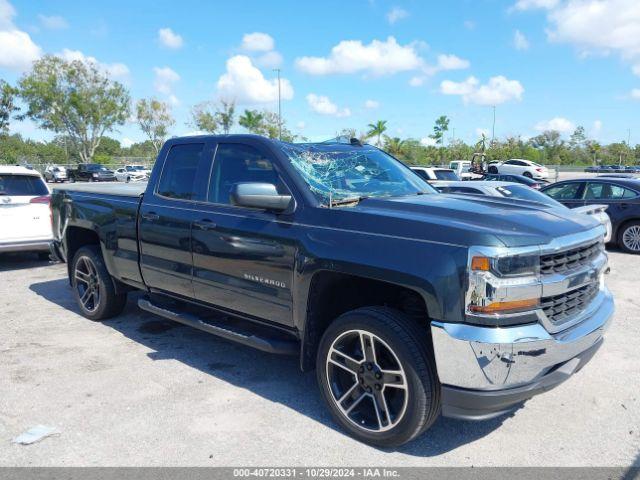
394	145
377	129
252	121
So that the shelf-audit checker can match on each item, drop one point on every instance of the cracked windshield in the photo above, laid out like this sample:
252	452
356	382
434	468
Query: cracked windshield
336	174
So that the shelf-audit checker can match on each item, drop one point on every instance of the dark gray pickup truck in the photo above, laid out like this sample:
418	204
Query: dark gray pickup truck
407	302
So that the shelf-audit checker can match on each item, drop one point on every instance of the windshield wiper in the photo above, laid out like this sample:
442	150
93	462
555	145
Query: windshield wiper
346	201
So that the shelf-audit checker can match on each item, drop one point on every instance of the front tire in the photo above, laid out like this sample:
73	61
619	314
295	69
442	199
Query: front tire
629	237
377	375
493	170
93	287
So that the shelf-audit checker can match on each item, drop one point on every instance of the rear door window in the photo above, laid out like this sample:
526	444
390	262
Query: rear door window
567	191
178	178
22	185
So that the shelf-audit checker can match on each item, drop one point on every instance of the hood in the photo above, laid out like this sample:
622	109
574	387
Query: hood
479	221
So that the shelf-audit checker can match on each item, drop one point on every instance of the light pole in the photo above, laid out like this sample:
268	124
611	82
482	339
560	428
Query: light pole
493	128
279	106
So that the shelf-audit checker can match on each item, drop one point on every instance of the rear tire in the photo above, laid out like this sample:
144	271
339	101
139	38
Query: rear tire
389	395
629	237
527	174
93	287
493	170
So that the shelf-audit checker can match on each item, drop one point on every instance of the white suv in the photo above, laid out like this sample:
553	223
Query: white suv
25	217
518	166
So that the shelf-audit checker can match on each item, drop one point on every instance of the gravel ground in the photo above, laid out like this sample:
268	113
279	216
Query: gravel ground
140	391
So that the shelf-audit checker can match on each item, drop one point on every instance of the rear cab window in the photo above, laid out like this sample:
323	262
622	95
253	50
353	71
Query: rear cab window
180	172
22	185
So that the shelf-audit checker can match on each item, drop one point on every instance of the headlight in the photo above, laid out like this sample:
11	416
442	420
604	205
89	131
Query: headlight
508	266
504	289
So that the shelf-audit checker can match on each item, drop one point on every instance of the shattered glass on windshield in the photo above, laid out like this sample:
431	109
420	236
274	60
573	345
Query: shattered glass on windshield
339	174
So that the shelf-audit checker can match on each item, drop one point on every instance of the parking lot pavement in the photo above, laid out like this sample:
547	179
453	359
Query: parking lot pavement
138	390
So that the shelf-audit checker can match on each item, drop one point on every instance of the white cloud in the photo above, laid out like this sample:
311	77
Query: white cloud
126	142
301	125
271	59
246	84
371	104
498	90
445	63
469	24
520	42
257	42
53	22
395	14
168	38
352	56
451	62
117	70
635	93
559	124
428	142
17	50
597	127
593	26
324	106
636	69
165	80
533	4
416	81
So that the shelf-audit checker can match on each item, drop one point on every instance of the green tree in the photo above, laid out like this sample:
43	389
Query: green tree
253	121
578	138
74	99
377	130
394	145
440	128
226	115
204	118
7	105
154	119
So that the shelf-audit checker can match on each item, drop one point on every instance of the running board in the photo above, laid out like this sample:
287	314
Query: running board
280	346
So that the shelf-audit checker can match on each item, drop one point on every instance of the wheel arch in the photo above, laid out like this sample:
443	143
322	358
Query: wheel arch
332	293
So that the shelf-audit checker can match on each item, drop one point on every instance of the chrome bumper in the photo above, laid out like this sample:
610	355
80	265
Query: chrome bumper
489	359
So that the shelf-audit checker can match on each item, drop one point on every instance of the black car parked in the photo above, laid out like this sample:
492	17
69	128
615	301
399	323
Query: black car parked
622	195
529	182
91	172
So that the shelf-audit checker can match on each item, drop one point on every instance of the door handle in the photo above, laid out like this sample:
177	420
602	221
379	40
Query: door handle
151	216
204	224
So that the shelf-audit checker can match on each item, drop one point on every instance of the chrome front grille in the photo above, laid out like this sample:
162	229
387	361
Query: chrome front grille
569	259
559	308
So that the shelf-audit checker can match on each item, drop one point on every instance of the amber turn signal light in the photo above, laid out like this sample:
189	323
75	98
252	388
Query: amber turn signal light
500	307
481	263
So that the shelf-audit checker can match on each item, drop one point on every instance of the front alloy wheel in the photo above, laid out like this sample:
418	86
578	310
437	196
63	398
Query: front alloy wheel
377	375
368	383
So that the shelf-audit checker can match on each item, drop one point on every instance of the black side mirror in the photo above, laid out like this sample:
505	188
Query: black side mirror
259	195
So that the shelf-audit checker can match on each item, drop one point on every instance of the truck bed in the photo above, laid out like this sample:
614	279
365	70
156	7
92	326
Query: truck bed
134	189
111	211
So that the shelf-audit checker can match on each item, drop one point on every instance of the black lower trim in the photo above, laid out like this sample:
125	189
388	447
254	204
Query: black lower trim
264	341
485	404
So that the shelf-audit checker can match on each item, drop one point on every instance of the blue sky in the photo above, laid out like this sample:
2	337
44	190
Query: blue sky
543	63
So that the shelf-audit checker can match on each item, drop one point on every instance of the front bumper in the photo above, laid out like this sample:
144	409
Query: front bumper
486	371
26	246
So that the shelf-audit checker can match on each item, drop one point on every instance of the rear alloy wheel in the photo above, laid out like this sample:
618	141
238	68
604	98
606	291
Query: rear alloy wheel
629	238
93	287
377	375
